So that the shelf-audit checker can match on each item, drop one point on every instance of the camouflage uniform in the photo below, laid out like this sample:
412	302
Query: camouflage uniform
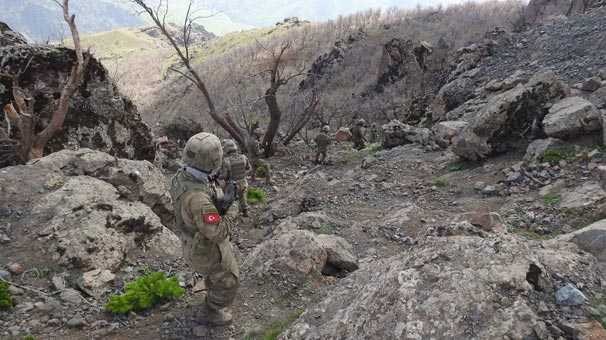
357	135
374	133
205	234
254	150
235	168
322	142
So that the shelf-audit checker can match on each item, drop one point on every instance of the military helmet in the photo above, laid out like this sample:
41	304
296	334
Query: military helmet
229	146
326	128
203	152
361	122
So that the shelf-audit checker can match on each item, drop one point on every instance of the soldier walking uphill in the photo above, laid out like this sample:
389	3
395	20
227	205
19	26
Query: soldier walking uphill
235	168
322	142
357	135
254	151
204	223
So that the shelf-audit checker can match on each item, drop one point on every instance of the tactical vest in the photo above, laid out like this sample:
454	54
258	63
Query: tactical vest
237	166
182	182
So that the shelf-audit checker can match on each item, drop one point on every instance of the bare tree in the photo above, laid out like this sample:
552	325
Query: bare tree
280	60
158	16
21	112
301	120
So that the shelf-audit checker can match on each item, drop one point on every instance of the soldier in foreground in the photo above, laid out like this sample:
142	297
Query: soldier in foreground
204	222
322	142
235	168
357	135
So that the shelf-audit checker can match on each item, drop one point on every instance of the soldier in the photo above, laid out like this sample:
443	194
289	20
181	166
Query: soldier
374	133
205	229
235	168
322	142
357	135
254	151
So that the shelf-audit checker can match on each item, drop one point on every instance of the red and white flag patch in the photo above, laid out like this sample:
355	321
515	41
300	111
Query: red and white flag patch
211	218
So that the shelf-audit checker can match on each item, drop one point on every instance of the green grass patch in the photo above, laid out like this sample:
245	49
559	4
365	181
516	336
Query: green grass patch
256	195
552	200
144	293
29	337
327	229
598	309
555	155
6	300
440	182
373	148
276	328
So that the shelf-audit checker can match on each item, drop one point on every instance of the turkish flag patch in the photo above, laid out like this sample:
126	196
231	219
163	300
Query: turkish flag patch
211	218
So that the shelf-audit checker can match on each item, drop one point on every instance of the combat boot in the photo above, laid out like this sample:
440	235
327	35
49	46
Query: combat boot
219	317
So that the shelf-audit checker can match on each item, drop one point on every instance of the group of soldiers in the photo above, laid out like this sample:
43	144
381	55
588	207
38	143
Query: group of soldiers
214	175
358	137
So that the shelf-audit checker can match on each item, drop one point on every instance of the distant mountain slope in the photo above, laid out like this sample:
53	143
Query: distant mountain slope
41	20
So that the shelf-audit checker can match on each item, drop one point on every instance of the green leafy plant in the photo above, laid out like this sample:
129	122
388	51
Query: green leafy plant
144	293
555	155
29	337
598	309
552	200
6	301
256	196
373	148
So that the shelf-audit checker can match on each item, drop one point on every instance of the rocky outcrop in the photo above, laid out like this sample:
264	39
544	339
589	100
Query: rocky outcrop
496	122
461	287
538	11
88	210
572	117
537	149
396	133
591	239
99	117
445	132
294	257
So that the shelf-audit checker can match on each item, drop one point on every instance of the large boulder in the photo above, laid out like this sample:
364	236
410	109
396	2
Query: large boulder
572	117
396	133
445	132
99	116
497	124
591	239
296	256
538	148
85	210
462	287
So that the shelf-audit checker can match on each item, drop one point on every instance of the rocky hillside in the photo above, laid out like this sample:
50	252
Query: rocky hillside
482	217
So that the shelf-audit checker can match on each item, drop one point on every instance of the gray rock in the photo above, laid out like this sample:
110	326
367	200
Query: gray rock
396	133
572	117
445	132
5	275
340	253
99	116
589	194
591	84
591	239
434	282
602	74
494	122
489	190
76	322
71	296
537	149
15	290
569	295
